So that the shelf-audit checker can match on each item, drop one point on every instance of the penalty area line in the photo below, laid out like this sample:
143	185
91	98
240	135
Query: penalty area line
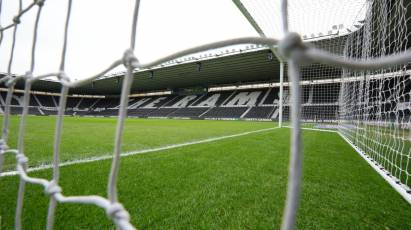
131	153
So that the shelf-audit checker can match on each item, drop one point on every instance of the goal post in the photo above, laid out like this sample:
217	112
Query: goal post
281	96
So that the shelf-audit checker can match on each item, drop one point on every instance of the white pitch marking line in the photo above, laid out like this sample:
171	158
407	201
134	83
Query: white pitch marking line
314	129
143	151
400	188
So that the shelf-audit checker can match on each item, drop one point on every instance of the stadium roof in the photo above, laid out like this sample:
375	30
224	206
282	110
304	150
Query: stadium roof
246	67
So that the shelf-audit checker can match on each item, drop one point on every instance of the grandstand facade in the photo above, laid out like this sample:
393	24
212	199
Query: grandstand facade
232	84
256	104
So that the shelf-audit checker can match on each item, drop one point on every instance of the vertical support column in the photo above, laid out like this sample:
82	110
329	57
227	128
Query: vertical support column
281	99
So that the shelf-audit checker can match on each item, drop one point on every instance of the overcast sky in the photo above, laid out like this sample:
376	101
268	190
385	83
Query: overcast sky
100	29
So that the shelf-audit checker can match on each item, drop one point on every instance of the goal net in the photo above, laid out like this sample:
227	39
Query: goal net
370	107
375	105
346	64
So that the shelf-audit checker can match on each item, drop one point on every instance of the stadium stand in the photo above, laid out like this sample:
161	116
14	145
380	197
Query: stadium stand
225	112
213	99
32	110
45	101
87	103
189	112
49	111
72	102
263	112
107	103
143	112
14	100
231	104
225	97
105	112
162	112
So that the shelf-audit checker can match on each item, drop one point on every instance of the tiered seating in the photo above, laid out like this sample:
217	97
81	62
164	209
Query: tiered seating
134	103
13	100
81	113
162	101
326	94
69	112
87	103
162	112
49	111
272	96
35	111
318	113
107	103
33	101
220	96
46	101
17	110
143	112
286	113
225	112
245	98
72	102
260	112
106	112
319	104
189	112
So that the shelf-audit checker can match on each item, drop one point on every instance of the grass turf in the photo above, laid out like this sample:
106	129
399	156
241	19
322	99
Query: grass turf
90	137
235	183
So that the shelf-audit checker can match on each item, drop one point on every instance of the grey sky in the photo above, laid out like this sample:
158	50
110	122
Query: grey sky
100	29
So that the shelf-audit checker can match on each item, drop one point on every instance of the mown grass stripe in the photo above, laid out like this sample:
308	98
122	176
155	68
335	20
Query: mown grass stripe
131	153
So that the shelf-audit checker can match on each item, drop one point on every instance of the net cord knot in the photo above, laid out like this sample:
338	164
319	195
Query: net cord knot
292	46
129	60
21	159
40	3
52	188
64	79
118	212
16	20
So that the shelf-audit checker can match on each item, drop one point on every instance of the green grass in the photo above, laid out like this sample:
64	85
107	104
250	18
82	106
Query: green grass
236	183
389	146
90	137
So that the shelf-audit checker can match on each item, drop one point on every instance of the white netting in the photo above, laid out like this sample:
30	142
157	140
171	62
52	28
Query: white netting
312	19
371	106
370	113
375	105
326	25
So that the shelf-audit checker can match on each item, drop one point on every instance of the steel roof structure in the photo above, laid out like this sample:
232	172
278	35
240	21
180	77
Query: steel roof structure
244	67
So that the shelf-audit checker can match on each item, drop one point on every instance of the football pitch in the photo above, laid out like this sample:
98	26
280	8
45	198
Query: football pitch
188	174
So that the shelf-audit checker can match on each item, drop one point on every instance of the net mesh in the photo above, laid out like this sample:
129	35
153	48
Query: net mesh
349	59
375	105
366	94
